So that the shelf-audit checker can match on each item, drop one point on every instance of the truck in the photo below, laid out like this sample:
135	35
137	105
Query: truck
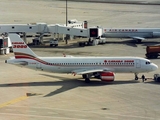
53	42
152	51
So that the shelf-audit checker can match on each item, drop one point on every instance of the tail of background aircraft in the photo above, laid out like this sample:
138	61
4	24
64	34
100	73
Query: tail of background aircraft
20	49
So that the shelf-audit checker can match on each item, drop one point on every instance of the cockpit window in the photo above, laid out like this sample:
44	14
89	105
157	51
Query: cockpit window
148	63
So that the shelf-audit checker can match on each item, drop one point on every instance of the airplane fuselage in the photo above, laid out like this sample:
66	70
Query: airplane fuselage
131	32
68	64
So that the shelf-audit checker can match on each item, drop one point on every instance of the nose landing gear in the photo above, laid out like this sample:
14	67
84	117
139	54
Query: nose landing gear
143	77
136	76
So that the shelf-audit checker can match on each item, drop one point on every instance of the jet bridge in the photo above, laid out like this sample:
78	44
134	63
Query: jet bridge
68	30
73	29
42	28
24	28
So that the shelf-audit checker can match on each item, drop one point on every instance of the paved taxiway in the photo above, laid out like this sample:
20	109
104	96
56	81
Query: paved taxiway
62	96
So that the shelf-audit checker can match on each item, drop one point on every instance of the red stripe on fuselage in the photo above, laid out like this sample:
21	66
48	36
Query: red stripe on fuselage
32	58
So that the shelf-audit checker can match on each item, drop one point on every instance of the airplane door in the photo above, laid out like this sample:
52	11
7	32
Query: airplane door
38	65
138	63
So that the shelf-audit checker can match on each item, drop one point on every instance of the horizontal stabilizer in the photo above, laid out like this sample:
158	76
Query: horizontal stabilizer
14	61
21	63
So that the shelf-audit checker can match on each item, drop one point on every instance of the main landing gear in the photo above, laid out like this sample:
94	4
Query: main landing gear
136	76
138	41
86	77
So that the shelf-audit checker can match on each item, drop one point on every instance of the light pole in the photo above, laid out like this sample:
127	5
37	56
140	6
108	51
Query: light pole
66	22
66	13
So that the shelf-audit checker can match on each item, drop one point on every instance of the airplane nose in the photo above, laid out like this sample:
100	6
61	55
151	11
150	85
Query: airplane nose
155	67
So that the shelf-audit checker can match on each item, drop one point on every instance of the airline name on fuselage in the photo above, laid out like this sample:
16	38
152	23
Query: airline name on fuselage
118	60
17	42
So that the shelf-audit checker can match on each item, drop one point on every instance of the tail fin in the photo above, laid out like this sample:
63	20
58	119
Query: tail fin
20	49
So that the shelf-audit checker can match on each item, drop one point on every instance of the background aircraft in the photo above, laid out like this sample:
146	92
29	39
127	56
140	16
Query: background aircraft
137	34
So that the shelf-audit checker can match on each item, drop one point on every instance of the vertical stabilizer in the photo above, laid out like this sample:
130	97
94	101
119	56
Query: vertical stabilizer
20	49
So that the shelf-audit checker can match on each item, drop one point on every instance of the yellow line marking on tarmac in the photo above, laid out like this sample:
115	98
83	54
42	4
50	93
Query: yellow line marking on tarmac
13	101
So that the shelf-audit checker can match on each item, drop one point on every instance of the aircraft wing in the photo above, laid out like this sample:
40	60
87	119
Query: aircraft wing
137	38
86	71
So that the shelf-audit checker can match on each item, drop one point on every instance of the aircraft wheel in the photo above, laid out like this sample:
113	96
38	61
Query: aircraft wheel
136	78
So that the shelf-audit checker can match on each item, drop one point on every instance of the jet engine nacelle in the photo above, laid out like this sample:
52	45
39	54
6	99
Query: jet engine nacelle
156	34
107	76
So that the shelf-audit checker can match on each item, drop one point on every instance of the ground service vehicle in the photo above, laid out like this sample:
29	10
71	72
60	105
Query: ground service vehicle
93	42
152	51
157	77
53	42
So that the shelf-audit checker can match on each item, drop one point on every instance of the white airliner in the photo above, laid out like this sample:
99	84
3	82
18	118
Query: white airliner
99	67
137	34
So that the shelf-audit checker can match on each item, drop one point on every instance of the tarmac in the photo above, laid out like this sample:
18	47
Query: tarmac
36	95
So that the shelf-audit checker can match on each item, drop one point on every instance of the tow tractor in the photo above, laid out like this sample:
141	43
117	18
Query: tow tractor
157	77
